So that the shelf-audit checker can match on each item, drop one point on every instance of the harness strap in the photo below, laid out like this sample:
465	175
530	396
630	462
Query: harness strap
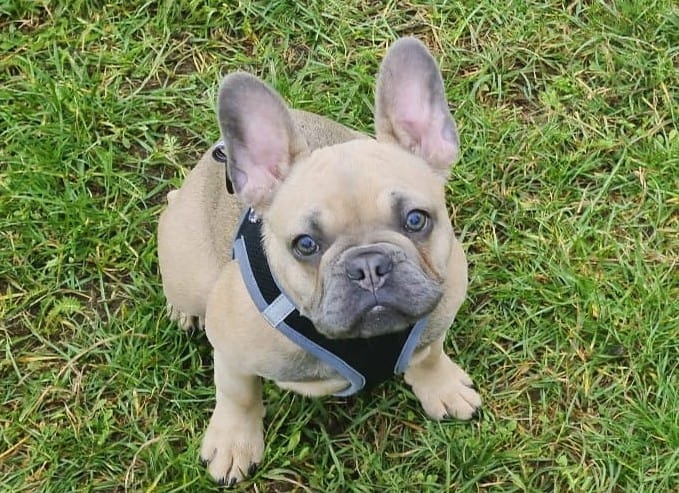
219	156
363	362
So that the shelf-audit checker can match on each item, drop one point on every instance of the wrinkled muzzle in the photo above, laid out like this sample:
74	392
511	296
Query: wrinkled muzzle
372	290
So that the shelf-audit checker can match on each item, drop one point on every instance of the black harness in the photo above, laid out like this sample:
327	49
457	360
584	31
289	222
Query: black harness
364	362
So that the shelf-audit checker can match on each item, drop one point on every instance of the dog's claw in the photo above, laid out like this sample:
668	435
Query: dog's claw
230	483
252	469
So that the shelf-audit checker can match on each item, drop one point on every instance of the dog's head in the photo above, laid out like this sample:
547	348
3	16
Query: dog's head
357	234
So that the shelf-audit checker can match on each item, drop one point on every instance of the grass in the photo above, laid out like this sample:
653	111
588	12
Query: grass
565	198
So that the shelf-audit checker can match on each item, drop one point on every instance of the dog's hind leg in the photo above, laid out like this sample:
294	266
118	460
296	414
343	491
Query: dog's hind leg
194	233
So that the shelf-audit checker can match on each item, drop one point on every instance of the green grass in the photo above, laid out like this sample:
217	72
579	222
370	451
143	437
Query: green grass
566	199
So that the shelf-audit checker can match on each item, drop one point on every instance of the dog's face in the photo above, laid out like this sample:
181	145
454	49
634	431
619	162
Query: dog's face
358	236
357	233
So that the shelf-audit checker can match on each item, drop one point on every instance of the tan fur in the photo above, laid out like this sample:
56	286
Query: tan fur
351	179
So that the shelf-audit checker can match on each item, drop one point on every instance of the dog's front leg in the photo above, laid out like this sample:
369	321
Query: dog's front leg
443	388
234	441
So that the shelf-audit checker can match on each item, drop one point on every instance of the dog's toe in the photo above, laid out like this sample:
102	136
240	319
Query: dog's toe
196	323
462	402
187	322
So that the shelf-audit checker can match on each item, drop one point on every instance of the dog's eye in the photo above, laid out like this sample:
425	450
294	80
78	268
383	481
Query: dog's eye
416	221
305	245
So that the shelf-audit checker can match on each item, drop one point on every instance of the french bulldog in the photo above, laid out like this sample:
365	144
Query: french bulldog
359	247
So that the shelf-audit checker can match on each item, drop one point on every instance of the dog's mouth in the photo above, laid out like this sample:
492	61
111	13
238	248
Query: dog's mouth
373	320
383	319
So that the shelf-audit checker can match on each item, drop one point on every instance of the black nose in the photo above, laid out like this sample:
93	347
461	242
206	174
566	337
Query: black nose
369	269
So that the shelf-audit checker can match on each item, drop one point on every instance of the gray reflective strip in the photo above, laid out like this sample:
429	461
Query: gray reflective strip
356	380
236	238
409	347
276	312
241	256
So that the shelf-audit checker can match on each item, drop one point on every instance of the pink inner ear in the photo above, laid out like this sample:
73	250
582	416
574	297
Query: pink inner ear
411	105
253	180
412	108
421	127
265	158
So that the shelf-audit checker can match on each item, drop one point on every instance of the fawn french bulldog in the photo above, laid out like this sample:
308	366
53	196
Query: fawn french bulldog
343	269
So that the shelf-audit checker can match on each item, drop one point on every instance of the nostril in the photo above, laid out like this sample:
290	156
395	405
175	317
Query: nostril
383	266
355	273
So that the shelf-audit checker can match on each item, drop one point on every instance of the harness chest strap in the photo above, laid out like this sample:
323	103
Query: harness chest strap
364	362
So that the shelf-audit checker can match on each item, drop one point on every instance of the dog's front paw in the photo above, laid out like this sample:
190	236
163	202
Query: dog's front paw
232	448
444	390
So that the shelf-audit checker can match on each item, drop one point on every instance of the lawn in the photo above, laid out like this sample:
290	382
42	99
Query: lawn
566	200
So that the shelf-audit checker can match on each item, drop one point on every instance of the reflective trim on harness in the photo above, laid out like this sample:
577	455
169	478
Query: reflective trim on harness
364	362
277	311
356	380
409	347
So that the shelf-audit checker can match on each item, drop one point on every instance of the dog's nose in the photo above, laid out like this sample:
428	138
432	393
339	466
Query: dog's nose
369	269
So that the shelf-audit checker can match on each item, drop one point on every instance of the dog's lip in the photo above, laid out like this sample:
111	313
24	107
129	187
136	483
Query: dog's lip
378	308
390	318
379	305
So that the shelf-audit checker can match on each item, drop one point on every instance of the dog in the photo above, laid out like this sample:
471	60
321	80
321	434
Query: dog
362	273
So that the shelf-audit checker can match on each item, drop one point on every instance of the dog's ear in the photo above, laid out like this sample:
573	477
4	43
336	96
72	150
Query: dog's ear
411	107
261	139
